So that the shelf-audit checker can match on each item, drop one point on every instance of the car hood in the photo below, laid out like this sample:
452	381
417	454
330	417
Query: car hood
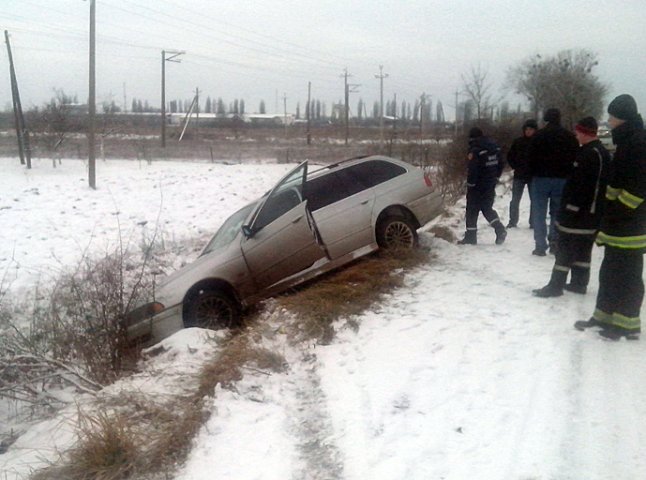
172	288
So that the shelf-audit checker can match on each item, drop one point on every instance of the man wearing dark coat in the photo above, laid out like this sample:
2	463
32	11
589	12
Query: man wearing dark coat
518	160
551	155
580	213
623	228
484	167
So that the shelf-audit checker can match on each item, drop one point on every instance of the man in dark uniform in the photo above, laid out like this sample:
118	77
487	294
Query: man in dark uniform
580	213
484	168
623	228
518	160
551	154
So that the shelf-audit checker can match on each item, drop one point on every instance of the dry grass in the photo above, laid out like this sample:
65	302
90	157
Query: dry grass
349	291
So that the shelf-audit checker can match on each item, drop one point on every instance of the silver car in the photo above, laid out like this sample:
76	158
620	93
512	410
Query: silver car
308	224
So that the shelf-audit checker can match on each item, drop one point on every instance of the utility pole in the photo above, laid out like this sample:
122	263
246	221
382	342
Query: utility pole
422	104
381	77
347	102
172	58
285	112
456	113
92	99
125	104
309	113
197	113
21	130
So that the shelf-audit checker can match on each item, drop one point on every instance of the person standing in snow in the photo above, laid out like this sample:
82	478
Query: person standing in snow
623	228
518	160
484	168
580	213
551	155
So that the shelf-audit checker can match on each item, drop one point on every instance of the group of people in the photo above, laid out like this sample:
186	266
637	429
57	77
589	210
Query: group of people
591	196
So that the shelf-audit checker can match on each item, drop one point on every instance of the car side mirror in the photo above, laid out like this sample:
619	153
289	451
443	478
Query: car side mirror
247	231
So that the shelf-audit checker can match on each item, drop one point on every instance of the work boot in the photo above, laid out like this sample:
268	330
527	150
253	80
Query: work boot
470	238
511	225
554	288
613	332
539	252
591	323
501	233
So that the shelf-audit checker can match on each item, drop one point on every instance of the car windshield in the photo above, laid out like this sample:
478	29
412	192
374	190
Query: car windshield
229	229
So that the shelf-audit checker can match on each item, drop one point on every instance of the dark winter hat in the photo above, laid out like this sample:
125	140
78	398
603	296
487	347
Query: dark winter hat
475	132
552	115
587	126
623	107
530	123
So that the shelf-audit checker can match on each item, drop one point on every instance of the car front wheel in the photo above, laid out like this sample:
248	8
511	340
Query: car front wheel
396	232
212	309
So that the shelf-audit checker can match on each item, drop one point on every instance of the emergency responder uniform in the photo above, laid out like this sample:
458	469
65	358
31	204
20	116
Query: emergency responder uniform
623	227
580	213
485	165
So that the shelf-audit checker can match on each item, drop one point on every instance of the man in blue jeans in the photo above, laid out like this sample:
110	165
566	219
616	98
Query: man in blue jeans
551	158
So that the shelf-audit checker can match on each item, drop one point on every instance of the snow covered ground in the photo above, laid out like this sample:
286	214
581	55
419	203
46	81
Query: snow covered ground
462	374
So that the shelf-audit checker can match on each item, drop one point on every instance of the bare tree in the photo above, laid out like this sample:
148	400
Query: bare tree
477	88
564	81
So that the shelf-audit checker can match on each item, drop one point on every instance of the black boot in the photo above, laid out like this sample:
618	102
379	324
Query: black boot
579	281
585	324
470	238
554	288
501	233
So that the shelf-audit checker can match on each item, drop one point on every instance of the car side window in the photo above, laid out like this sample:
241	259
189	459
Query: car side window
277	205
375	172
333	187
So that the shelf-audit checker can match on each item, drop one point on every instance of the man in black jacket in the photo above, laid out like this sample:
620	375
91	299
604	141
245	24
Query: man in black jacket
484	168
551	155
518	160
623	227
580	213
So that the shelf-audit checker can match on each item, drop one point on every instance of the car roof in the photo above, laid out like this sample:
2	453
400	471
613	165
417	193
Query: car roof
354	160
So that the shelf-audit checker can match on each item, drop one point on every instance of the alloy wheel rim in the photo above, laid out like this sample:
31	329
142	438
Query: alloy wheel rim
213	312
399	234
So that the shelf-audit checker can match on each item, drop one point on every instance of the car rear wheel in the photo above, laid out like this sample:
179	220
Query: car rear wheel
212	309
396	232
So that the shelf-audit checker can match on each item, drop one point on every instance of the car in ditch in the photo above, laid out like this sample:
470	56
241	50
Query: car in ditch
309	223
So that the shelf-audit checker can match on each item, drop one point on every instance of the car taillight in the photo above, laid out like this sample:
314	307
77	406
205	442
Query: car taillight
427	179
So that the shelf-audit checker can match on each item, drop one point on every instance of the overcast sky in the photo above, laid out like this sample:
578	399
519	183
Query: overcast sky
267	49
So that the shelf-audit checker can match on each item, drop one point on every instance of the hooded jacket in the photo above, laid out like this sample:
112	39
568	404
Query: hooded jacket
552	151
485	163
583	199
518	157
624	222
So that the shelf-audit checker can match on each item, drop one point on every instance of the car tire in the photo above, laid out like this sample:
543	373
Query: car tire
396	231
212	309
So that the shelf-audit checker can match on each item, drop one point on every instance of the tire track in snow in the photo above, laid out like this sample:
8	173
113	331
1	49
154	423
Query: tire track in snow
310	421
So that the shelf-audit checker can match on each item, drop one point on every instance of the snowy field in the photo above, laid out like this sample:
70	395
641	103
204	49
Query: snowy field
460	375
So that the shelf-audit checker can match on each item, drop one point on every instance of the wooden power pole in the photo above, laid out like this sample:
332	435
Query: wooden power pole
381	77
92	99
172	58
21	130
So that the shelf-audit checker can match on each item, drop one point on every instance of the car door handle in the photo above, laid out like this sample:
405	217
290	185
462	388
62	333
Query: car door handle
297	219
364	202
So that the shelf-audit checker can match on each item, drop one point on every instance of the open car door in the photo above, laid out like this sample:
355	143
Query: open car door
280	240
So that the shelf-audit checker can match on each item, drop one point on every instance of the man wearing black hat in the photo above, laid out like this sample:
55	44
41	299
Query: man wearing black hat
623	228
484	168
580	213
518	160
551	156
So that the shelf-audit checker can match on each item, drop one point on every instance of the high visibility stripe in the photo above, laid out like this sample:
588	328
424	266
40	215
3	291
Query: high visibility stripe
635	242
612	193
581	265
631	323
573	208
617	319
602	316
630	200
576	231
561	268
